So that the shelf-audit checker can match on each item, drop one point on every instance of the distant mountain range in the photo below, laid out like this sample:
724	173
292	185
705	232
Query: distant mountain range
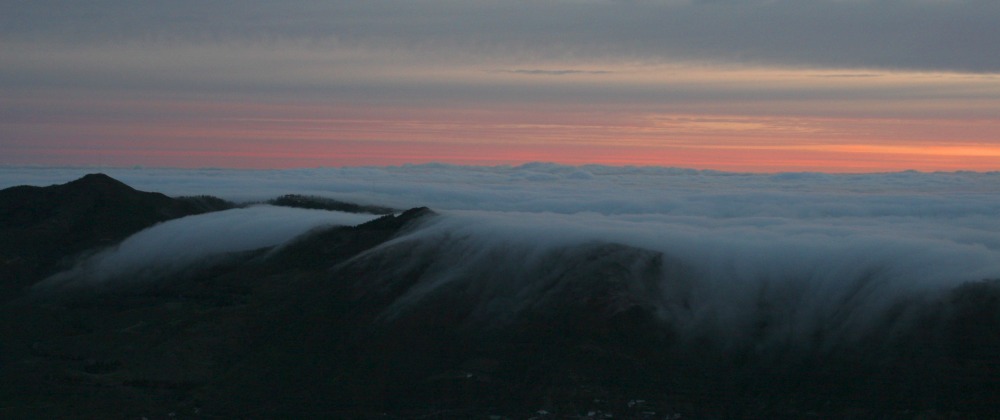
384	320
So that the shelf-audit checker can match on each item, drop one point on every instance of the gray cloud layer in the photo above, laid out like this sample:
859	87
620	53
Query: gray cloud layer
910	34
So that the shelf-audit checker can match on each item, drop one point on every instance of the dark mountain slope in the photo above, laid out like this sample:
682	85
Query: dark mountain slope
42	226
400	318
413	328
194	344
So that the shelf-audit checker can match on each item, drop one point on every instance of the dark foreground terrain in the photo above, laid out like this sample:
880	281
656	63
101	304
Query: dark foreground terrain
324	328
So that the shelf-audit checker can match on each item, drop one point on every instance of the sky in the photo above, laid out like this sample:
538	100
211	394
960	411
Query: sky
745	86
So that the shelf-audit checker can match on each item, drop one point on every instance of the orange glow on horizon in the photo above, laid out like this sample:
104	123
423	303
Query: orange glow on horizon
272	136
835	159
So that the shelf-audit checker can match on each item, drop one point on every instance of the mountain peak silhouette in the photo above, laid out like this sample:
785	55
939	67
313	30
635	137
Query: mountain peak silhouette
40	227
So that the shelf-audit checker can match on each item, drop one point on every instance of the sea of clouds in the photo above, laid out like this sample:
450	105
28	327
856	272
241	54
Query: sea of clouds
607	190
818	243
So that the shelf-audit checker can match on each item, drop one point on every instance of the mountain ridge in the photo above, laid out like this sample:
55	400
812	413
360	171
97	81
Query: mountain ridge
43	226
411	315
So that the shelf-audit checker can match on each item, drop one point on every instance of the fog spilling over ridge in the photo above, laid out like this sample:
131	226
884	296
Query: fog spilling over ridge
739	295
174	245
742	234
807	237
708	276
